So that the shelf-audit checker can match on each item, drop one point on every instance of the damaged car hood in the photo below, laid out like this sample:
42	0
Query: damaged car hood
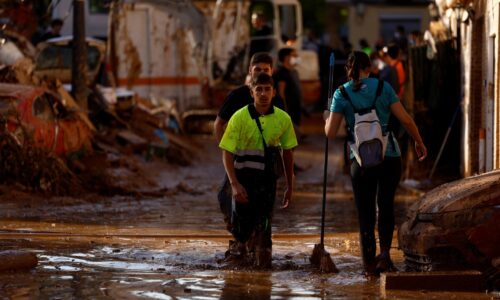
473	192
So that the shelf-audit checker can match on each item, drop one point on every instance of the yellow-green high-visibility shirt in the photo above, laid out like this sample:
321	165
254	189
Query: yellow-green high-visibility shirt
242	137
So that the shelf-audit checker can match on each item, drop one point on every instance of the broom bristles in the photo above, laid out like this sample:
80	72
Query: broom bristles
322	259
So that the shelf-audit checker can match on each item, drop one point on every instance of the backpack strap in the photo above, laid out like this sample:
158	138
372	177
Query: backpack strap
388	130
380	86
349	136
346	96
378	92
344	93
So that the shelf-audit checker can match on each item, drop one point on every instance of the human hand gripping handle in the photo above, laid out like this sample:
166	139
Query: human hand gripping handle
326	112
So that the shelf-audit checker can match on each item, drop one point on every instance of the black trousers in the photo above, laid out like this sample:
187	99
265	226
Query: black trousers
254	218
375	187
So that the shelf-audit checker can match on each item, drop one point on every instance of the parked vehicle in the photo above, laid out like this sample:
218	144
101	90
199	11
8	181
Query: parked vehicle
456	226
54	59
36	113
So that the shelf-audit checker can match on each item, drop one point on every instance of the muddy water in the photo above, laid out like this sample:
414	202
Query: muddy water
172	247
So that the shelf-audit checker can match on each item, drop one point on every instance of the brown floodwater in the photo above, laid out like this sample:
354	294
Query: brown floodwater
171	247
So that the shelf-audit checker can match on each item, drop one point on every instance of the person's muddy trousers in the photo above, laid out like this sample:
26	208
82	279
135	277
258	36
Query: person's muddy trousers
254	218
374	187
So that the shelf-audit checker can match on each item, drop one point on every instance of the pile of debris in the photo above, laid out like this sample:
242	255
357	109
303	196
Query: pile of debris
137	126
34	167
122	127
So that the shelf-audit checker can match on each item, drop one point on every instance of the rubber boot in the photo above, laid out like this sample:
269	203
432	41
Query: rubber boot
263	258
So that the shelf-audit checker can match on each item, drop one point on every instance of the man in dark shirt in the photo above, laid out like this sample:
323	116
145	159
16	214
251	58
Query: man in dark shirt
55	30
287	83
260	62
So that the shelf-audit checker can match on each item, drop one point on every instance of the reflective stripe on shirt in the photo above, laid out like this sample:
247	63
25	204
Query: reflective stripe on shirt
249	158
249	164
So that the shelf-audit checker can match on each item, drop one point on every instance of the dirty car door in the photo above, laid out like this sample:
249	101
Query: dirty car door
74	134
43	123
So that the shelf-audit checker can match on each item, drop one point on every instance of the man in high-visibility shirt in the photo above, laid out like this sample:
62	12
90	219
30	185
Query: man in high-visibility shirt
251	132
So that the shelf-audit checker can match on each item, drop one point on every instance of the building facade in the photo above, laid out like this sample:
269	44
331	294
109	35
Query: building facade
477	25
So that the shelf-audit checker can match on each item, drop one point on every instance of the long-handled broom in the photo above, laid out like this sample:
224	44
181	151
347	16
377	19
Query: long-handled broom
320	257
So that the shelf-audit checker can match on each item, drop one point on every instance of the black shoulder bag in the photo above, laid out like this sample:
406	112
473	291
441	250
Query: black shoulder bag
272	156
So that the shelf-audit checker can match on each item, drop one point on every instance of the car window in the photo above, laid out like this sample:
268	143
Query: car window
42	108
60	57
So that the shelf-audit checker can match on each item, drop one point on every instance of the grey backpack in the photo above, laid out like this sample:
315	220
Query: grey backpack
367	141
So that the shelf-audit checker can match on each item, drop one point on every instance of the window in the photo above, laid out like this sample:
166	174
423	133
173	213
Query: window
99	6
288	22
60	57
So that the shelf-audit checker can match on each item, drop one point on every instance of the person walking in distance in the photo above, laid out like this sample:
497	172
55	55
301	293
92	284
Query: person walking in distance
373	186
261	34
288	83
394	59
250	143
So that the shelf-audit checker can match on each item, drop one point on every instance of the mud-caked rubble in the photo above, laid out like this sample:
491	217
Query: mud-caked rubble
123	131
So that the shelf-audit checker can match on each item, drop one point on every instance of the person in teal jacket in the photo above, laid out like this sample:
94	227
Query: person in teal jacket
375	186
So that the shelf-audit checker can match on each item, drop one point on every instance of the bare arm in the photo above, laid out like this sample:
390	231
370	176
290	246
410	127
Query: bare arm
332	124
239	192
288	161
398	110
219	128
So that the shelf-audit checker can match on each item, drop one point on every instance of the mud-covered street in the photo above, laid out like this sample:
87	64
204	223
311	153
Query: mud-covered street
172	246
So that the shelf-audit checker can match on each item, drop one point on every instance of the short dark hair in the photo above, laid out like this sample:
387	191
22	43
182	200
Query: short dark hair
56	22
393	50
284	52
261	57
262	78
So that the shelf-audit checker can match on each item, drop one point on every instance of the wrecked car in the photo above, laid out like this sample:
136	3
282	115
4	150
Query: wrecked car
54	59
455	226
38	114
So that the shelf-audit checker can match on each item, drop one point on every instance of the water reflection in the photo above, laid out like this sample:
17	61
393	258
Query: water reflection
247	285
152	295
